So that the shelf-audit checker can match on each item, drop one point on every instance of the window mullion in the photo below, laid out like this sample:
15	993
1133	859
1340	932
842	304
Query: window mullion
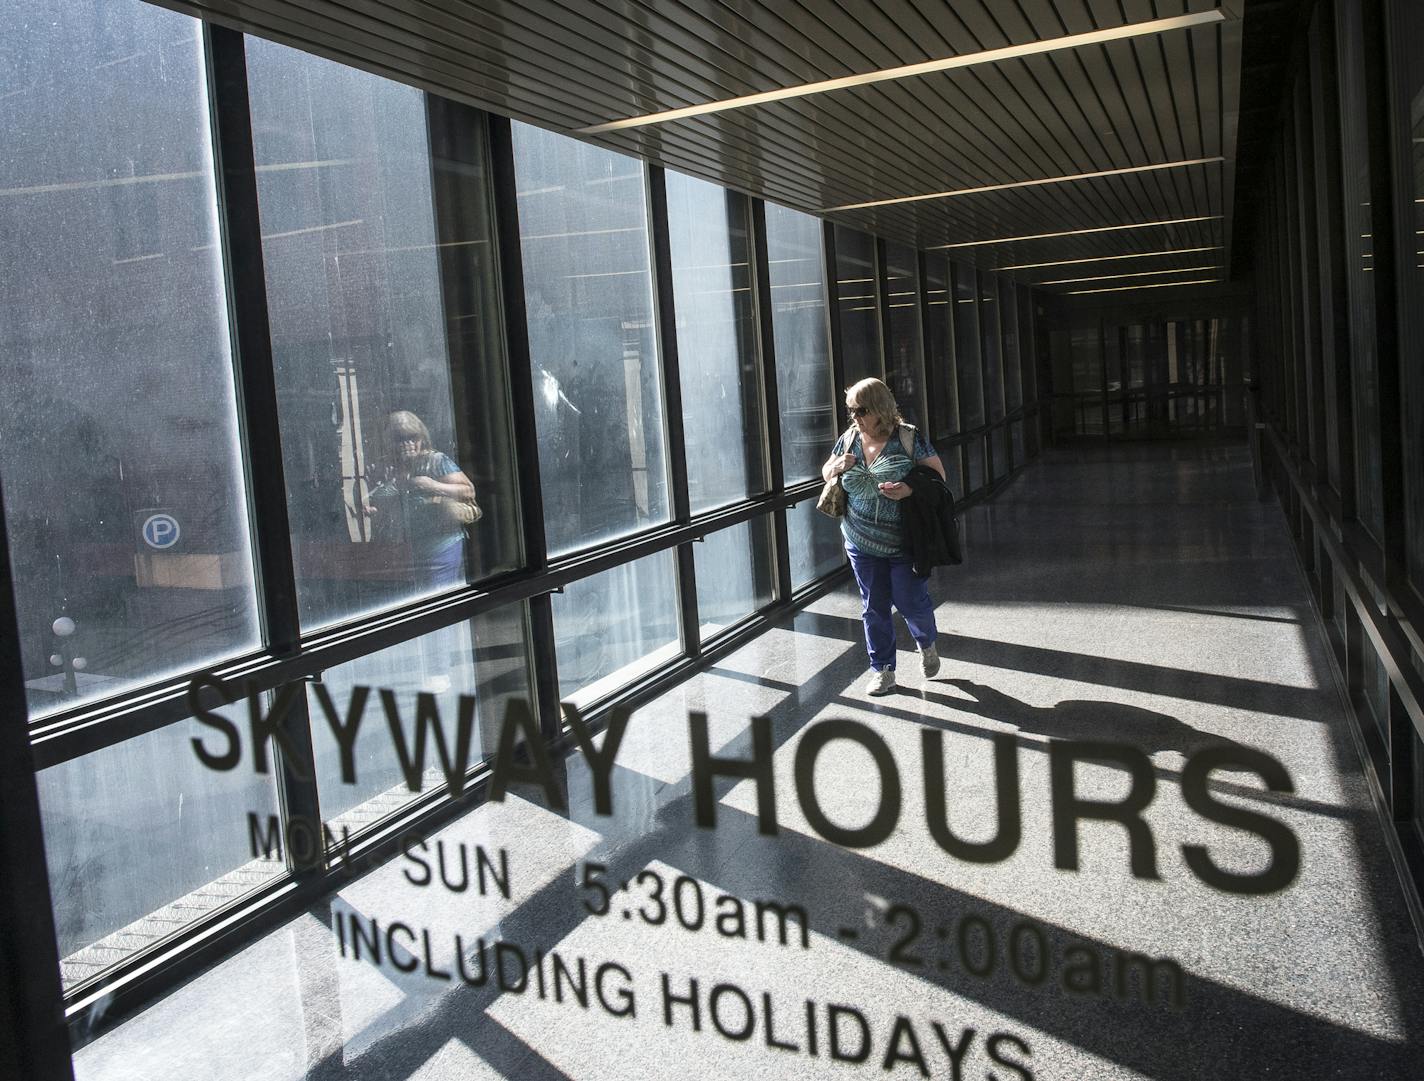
31	998
543	654
241	234
771	394
665	316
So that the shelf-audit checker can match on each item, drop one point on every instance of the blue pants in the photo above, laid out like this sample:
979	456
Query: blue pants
884	582
441	565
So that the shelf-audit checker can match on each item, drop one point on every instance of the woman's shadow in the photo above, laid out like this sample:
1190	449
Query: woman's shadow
1082	719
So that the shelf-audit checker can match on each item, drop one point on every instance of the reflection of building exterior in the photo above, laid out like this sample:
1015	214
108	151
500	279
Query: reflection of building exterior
116	367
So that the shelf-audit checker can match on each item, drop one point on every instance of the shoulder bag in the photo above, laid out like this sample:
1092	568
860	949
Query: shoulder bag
833	494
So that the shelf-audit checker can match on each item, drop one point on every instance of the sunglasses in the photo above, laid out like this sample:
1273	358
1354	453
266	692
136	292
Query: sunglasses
857	411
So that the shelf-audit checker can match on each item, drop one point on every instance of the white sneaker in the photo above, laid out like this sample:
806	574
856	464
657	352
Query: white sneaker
929	658
881	682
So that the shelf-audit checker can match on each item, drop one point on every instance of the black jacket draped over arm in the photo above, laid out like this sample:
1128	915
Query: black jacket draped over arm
931	529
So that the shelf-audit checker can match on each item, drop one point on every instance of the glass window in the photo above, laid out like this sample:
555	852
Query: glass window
858	306
1027	370
904	367
1359	250
1326	181
1009	324
716	342
989	335
1417	753
1063	399
1088	359
796	272
966	357
1028	364
939	351
610	628
393	411
1407	32
142	839
583	232
817	547
991	319
1374	686
736	574
475	666
119	447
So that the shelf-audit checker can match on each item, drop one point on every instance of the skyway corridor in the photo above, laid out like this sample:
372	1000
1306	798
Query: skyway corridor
1138	597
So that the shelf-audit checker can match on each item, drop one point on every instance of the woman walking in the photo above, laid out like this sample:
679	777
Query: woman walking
871	459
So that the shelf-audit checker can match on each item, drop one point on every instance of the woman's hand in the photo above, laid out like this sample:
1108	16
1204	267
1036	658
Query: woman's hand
837	464
452	486
896	490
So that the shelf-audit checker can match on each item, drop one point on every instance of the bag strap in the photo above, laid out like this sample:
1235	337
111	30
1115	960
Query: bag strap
849	439
907	440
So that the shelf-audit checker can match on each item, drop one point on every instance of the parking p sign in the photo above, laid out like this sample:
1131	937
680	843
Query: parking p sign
161	531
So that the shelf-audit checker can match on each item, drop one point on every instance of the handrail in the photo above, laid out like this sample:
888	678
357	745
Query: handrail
1023	412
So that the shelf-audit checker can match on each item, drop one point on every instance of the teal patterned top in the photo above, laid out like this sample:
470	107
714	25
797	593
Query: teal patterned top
872	521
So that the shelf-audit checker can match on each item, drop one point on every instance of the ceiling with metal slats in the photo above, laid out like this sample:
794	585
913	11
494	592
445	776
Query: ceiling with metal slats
1151	100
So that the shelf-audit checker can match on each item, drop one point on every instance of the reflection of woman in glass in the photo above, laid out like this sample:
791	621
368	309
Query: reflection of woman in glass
425	500
872	465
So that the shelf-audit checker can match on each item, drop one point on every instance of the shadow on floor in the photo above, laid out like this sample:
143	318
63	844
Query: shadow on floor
1079	719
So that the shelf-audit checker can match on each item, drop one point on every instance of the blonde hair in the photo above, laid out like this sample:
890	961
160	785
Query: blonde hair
403	424
874	395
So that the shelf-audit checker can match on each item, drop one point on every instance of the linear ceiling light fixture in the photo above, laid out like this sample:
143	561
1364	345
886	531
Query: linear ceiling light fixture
1040	182
1109	258
1128	288
1138	274
948	63
1074	232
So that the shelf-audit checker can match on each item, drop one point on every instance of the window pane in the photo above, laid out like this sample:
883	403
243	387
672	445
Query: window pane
971	376
976	464
952	457
939	355
1374	685
1417	753
1085	358
1009	325
966	347
1028	373
857	305
380	462
816	544
142	838
118	431
1408	34
716	342
735	574
612	627
483	661
989	335
904	367
1028	367
589	291
1359	251
796	258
